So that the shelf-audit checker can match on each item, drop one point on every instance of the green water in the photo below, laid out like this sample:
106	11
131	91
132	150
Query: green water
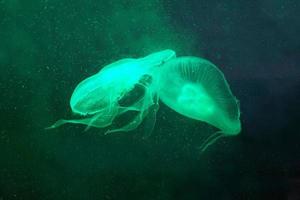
48	47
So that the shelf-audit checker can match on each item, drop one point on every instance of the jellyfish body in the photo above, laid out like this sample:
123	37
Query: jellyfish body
111	92
191	86
197	89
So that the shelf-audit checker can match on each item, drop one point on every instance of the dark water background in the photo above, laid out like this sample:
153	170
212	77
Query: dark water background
47	47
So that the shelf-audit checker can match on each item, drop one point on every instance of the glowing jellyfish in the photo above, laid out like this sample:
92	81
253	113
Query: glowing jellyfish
111	92
197	89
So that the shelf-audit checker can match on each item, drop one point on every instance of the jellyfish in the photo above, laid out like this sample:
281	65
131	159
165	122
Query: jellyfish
127	85
196	88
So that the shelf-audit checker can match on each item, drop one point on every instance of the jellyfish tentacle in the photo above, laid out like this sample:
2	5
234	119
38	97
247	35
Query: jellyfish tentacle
210	140
100	120
61	122
128	127
150	119
58	123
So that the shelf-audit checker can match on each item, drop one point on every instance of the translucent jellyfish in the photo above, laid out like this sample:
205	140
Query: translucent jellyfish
127	85
197	89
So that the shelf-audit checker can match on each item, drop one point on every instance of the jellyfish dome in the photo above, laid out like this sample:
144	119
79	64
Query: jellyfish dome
104	96
197	89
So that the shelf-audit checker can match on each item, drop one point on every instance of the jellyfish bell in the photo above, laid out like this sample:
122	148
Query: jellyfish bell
113	81
197	89
98	98
159	58
100	90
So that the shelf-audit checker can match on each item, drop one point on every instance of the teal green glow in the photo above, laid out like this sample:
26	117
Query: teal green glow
98	97
197	89
191	86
